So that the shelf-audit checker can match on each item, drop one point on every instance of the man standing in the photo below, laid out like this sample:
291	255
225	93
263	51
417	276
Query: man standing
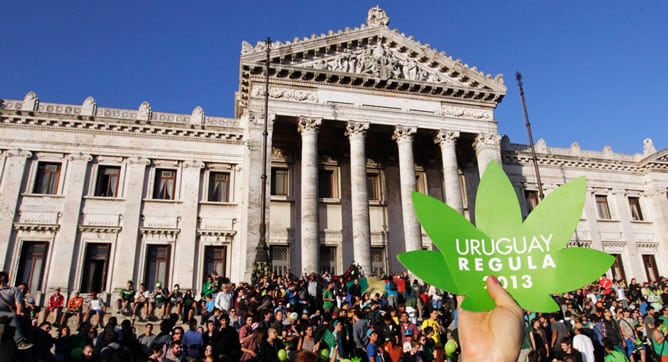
359	334
146	339
11	305
372	352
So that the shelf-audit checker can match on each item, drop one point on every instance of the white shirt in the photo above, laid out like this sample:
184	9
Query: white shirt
583	344
96	304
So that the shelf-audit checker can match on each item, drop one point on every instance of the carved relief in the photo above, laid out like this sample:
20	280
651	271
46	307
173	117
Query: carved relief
377	17
144	113
287	93
461	112
486	140
402	133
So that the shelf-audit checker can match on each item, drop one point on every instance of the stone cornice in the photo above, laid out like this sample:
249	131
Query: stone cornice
131	129
18	226
173	232
100	229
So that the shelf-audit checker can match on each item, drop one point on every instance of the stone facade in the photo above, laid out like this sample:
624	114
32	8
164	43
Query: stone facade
91	197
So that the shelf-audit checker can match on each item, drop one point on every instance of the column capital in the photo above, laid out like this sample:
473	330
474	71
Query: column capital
402	133
356	128
257	118
19	153
487	140
308	124
80	157
446	137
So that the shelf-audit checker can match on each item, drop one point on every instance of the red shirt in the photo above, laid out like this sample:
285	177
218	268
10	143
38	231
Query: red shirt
56	301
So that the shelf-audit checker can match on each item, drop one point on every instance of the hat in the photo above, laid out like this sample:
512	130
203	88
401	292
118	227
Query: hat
158	284
370	331
336	323
305	311
293	316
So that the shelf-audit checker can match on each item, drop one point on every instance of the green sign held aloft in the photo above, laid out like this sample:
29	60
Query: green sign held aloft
529	258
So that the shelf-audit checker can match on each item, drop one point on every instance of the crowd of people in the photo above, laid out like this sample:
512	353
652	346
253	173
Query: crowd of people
343	318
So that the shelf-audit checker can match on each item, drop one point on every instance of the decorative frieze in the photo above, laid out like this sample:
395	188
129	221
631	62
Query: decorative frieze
286	94
461	112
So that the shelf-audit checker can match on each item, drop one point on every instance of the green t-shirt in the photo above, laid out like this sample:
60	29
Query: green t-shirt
616	356
660	349
128	294
326	304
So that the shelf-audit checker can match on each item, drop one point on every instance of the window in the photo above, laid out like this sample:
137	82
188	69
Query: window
165	184
650	268
636	213
95	268
214	260
32	264
327	184
157	265
328	259
602	206
532	199
48	176
107	181
280	259
373	186
219	186
279	181
377	261
618	268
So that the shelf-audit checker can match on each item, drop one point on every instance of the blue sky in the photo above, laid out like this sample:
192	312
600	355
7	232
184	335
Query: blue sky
595	72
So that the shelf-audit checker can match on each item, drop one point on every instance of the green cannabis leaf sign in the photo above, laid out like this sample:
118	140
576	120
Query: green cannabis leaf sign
529	258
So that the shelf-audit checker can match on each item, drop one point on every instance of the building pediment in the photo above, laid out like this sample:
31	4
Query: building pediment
374	56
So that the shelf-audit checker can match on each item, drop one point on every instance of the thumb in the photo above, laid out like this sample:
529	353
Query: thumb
500	296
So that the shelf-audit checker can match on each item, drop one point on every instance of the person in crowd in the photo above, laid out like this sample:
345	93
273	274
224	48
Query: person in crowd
270	347
174	300
126	297
97	308
141	301
159	300
74	308
192	341
56	304
146	339
189	306
227	346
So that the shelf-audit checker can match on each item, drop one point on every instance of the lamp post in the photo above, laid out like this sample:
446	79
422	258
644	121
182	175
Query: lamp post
262	263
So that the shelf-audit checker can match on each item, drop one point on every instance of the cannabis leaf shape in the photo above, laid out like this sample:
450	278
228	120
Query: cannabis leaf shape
529	258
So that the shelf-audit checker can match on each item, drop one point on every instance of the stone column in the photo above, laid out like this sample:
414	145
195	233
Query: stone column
10	192
186	243
453	191
310	244
412	232
487	147
129	239
63	255
356	133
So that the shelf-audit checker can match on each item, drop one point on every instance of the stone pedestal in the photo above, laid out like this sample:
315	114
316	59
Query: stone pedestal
310	244
356	133
412	232
453	192
10	192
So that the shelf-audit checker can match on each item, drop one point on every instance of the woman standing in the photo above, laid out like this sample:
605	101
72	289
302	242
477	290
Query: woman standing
538	344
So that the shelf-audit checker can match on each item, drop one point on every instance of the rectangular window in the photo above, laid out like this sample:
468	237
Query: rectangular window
95	268
107	181
373	186
532	199
650	267
618	268
280	259
214	260
165	184
32	264
48	176
279	181
636	212
602	206
157	265
377	261
326	184
219	186
328	259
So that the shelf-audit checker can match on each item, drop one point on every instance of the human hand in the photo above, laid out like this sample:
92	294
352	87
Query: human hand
495	335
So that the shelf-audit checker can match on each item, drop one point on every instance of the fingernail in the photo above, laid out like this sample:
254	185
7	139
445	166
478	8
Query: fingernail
494	280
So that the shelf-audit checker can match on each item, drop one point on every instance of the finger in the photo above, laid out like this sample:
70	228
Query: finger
499	295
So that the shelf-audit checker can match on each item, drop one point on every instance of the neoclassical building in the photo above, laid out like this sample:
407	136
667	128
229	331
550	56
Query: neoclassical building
91	197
